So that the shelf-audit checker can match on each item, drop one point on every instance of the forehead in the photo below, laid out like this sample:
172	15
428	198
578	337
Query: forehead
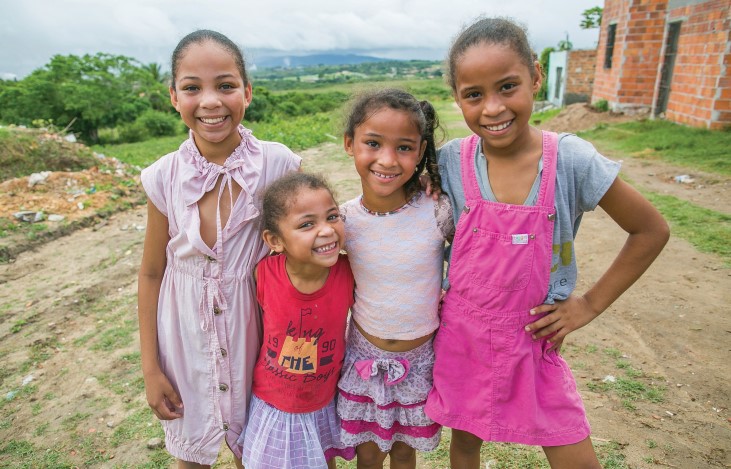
389	121
305	199
490	59
207	54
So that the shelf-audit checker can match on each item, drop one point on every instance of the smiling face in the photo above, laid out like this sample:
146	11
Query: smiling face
386	148
312	232
211	97
495	89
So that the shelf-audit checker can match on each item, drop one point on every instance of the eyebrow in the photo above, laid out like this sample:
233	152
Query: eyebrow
402	139
218	77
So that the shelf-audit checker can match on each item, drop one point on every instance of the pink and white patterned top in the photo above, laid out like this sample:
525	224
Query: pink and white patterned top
397	259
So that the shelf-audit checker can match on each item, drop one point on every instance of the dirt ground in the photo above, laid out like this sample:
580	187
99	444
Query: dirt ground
65	304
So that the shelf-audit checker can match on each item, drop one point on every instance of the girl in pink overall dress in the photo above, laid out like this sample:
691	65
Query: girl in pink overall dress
499	269
497	372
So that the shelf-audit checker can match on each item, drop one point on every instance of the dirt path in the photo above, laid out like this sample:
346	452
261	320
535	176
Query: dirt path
68	328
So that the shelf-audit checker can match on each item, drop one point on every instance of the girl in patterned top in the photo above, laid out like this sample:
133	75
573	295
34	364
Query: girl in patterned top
395	240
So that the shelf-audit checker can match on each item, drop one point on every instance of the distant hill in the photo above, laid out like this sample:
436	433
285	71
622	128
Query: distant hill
292	61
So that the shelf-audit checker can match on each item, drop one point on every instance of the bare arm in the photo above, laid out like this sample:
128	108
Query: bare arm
161	396
647	234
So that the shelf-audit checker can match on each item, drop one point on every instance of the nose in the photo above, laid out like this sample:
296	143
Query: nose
326	230
493	105
387	157
210	99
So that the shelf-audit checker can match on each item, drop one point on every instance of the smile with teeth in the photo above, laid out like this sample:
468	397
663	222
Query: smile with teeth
214	120
326	248
385	176
496	128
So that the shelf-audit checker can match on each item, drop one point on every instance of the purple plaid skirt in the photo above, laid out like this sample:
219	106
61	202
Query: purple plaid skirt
382	395
274	439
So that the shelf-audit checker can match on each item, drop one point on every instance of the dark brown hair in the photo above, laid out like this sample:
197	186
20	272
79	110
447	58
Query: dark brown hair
490	31
424	116
280	195
200	36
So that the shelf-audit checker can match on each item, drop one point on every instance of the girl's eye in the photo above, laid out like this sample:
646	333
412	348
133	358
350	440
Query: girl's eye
305	225
404	148
190	88
508	86
371	143
227	86
472	95
334	217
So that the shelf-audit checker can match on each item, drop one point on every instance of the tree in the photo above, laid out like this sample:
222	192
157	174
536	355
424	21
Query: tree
93	92
592	18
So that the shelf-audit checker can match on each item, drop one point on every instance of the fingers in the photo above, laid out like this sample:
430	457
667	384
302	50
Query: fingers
544	308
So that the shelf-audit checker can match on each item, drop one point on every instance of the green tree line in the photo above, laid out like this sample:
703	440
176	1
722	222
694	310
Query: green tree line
107	98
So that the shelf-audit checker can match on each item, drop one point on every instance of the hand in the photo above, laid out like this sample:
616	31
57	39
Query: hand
563	317
162	398
425	182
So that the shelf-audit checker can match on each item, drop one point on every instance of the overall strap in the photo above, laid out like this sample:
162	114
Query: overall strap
467	163
546	193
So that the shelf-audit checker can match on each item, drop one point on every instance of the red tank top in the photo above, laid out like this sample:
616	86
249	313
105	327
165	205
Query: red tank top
302	353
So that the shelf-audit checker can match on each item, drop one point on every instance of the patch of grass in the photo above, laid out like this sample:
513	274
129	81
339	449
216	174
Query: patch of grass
27	151
707	230
630	390
116	337
701	149
142	154
41	429
544	116
136	427
7	227
71	422
610	455
18	326
25	455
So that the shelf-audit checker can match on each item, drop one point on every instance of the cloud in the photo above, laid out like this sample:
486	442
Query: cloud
32	31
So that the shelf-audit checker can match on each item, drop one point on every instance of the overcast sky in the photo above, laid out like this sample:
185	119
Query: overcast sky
32	31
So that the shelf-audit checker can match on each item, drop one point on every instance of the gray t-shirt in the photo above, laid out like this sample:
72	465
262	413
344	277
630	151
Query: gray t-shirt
583	176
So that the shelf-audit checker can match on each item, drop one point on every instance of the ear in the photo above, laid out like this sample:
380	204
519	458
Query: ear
273	240
248	94
537	77
174	98
348	144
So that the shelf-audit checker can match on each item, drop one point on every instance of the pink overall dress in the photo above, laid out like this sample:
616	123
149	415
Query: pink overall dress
490	377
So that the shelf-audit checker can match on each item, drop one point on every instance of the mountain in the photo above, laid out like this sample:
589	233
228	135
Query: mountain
293	61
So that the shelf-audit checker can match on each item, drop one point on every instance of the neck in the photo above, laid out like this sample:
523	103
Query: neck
218	152
384	204
306	278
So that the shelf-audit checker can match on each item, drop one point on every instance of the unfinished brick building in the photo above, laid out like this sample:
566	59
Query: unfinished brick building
570	76
667	57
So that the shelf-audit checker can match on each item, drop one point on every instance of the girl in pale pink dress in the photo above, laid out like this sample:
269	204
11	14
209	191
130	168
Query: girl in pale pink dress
199	321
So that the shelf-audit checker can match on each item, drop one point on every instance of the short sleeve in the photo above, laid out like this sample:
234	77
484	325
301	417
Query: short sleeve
444	217
154	180
592	172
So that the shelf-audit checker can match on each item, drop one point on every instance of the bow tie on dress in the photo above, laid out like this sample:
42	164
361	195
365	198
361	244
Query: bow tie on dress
394	369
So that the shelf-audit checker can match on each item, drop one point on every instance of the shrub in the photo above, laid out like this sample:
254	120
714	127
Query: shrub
602	105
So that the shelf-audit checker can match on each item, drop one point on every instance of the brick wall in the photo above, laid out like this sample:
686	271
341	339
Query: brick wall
579	76
701	89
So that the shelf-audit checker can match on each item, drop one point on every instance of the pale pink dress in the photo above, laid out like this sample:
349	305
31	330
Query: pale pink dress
208	320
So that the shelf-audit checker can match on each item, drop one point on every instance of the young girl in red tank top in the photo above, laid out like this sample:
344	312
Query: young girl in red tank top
305	291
